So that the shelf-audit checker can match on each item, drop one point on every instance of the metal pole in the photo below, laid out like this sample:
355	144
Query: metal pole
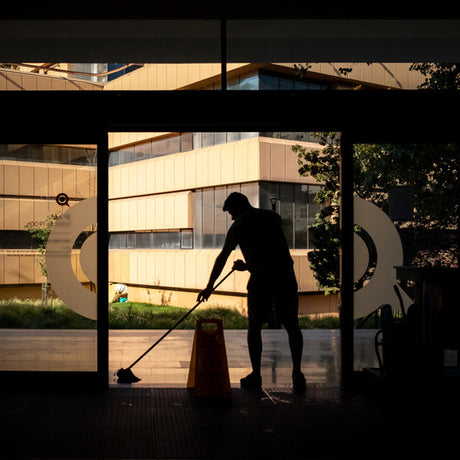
102	261
223	54
346	260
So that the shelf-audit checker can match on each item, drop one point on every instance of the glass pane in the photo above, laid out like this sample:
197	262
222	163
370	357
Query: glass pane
406	255
232	137
166	240
269	196
207	139
126	155
220	228
252	192
219	138
144	240
186	142
208	218
48	258
301	216
268	82
287	212
142	151
186	239
198	219
314	209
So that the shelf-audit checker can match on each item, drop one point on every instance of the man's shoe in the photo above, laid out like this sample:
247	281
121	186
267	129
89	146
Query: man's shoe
252	382
299	382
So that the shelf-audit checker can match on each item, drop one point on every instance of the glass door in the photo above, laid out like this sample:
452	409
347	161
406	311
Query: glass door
48	259
406	258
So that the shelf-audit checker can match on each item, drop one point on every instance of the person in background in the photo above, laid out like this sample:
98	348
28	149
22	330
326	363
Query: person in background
121	293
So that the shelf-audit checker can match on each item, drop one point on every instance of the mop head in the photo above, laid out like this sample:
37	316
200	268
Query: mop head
126	376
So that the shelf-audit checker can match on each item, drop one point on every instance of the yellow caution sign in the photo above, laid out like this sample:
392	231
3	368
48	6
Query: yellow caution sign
208	372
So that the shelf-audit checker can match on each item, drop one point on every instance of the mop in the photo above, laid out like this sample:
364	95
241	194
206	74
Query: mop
126	375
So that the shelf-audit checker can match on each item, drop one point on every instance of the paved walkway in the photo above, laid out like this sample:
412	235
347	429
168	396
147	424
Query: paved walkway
167	365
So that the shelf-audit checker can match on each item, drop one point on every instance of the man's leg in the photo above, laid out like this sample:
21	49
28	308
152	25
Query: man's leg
255	346
290	308
295	344
253	381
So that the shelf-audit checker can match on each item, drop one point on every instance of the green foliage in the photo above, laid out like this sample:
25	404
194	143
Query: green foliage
439	76
323	165
134	315
40	235
29	314
433	171
323	322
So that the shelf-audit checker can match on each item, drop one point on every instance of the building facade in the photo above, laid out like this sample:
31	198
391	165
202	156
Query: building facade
166	190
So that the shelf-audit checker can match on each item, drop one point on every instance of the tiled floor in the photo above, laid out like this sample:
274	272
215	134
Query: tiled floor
167	365
170	423
151	421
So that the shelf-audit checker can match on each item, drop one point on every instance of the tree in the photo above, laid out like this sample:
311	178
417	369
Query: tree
323	165
438	75
40	235
431	169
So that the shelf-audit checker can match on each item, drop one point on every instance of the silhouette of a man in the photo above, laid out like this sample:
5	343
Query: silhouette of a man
272	282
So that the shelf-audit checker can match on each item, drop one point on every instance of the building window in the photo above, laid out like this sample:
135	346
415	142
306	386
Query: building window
44	153
184	142
294	203
182	239
296	206
186	239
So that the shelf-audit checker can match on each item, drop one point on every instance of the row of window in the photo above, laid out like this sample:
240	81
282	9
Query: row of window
294	202
44	153
265	80
182	239
22	239
181	142
184	142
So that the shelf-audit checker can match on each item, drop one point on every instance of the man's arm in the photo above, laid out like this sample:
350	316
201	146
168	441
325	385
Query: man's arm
219	265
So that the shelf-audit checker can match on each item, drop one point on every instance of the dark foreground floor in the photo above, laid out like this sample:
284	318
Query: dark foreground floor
169	423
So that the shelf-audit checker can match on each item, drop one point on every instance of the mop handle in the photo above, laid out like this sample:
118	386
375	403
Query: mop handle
180	321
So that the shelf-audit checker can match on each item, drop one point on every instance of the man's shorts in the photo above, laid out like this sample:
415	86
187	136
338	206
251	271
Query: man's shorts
264	293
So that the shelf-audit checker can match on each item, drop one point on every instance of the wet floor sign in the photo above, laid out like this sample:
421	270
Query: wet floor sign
208	372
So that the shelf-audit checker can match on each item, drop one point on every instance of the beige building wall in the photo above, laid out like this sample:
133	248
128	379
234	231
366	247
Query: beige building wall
20	266
258	158
161	77
394	75
154	212
156	194
14	80
36	179
28	190
27	198
190	269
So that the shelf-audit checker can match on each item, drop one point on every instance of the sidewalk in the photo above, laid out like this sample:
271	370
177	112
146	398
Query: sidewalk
167	364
